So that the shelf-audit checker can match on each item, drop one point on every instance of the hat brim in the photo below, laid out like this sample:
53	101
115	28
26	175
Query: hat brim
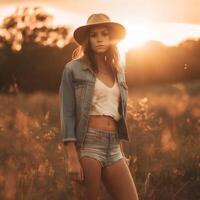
118	31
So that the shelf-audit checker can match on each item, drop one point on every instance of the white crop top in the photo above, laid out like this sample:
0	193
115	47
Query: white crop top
105	100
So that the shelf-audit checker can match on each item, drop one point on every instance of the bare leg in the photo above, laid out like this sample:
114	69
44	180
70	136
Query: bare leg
119	182
92	176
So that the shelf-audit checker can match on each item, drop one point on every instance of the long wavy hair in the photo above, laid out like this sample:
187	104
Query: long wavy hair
111	55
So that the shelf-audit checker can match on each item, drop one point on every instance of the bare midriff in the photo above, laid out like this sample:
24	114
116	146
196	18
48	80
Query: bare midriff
103	122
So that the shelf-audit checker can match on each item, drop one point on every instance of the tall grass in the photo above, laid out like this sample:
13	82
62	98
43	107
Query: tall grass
164	153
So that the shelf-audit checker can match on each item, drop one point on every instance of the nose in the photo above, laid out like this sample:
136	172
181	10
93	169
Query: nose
99	37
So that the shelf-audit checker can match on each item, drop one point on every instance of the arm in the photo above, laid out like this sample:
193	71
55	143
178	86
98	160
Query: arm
67	110
70	148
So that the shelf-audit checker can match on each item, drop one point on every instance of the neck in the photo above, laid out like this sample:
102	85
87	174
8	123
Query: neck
100	58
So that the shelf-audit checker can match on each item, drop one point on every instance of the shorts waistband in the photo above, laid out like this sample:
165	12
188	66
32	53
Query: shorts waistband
102	132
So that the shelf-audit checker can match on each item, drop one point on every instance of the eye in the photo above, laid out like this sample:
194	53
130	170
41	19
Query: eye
92	35
105	33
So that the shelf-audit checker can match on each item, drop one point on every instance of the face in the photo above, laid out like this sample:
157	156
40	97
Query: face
99	39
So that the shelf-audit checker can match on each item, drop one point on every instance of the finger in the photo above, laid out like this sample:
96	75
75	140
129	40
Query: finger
73	175
82	175
78	176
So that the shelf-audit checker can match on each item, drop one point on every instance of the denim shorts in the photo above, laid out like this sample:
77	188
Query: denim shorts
101	145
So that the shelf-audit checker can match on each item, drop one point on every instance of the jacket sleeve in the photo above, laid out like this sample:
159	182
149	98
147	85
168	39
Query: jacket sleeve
124	78
67	106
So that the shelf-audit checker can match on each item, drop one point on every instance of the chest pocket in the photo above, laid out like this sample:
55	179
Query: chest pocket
82	79
80	86
81	82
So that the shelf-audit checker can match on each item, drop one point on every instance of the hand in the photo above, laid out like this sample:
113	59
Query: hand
75	170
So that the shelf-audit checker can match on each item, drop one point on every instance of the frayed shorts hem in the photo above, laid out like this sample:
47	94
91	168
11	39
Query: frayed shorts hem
101	161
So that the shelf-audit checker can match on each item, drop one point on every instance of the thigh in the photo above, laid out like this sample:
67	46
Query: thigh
92	176
118	181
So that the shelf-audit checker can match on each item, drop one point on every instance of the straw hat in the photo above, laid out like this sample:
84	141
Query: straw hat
118	31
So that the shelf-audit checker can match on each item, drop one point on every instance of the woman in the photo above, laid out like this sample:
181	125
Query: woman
93	98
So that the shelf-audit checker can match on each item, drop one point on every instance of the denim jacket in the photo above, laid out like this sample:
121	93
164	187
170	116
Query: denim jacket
75	97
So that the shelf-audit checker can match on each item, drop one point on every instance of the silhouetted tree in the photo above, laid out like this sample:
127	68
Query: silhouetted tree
33	51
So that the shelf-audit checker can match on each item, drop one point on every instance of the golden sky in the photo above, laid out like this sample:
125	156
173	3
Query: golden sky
168	21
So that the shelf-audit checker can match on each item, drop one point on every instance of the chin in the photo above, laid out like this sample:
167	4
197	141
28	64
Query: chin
100	52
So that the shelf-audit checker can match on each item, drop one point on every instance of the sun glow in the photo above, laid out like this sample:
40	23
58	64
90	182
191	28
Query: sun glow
170	34
138	32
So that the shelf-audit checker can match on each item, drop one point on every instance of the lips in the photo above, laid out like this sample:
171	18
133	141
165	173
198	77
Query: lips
100	46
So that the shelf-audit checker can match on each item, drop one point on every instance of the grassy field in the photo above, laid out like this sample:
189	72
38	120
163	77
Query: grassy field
164	151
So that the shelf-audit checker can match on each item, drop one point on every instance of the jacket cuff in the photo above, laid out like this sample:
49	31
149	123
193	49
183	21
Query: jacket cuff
71	139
